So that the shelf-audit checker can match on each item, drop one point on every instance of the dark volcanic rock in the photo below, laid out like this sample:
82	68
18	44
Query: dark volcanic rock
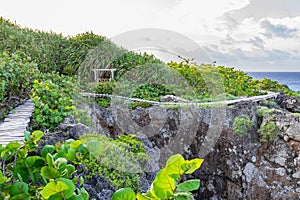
99	188
235	167
291	104
141	116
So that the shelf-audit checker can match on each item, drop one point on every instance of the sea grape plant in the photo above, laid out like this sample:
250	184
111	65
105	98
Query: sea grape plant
167	183
27	175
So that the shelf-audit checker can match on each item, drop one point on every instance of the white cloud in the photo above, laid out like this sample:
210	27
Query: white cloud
290	22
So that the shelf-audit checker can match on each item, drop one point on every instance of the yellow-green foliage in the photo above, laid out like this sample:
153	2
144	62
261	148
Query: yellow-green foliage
268	132
205	77
121	160
262	111
168	182
270	85
242	125
52	100
52	52
49	175
17	73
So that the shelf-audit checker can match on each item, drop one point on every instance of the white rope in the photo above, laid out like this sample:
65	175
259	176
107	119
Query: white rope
228	102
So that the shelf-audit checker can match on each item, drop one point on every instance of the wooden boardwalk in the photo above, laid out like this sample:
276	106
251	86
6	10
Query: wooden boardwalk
16	122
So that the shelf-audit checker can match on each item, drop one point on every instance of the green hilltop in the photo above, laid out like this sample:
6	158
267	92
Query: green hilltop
36	63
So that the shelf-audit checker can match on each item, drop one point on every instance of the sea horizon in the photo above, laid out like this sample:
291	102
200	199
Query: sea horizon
291	79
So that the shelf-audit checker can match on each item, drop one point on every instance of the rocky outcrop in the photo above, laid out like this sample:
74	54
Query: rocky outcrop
291	104
235	167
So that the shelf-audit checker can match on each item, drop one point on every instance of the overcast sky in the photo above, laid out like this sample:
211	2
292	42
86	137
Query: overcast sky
252	35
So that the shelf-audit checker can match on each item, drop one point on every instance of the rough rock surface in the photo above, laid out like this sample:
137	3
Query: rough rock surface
292	104
235	167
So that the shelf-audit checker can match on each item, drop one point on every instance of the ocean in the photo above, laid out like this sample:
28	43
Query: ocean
291	79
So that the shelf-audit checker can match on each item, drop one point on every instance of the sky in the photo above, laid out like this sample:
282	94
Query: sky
251	35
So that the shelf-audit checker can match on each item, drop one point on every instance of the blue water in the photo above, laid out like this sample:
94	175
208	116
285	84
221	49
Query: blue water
291	79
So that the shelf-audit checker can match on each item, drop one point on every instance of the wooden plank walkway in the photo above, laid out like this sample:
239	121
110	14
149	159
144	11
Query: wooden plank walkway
16	122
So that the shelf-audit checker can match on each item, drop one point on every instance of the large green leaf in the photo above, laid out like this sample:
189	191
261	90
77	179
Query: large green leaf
95	148
47	149
183	196
2	178
57	196
50	172
22	153
163	186
71	154
36	136
27	135
60	163
53	188
13	145
189	185
189	166
124	194
19	188
34	161
142	197
173	165
23	196
49	159
84	194
71	187
75	144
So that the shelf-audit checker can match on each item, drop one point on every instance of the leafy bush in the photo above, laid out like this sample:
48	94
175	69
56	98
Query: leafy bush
262	111
104	88
151	91
52	52
17	73
121	161
128	60
242	125
50	175
134	105
238	83
269	132
205	77
52	100
167	183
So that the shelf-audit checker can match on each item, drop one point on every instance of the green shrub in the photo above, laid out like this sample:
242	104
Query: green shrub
128	60
105	88
26	175
167	183
242	125
205	77
134	105
262	111
238	83
17	73
52	52
52	101
274	86
151	91
121	161
269	102
269	132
